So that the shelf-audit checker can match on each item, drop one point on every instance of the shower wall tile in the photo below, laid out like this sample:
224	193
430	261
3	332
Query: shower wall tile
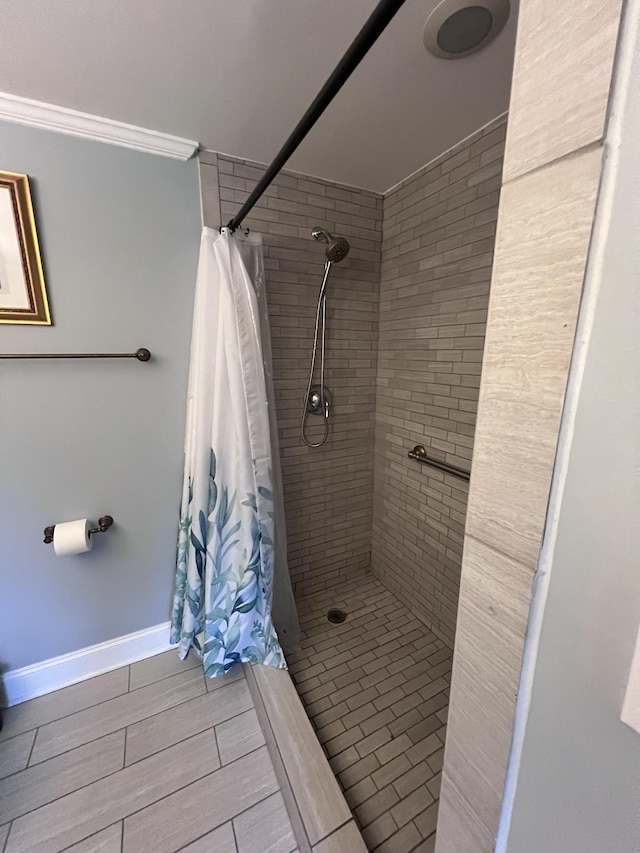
494	610
437	251
541	254
562	77
575	65
543	240
328	491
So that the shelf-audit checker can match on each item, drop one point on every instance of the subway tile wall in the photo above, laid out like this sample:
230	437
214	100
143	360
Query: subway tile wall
328	491
432	292
437	252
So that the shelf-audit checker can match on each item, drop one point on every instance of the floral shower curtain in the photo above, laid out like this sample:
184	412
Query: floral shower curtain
227	544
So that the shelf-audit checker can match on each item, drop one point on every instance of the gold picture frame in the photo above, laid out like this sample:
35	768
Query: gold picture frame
23	297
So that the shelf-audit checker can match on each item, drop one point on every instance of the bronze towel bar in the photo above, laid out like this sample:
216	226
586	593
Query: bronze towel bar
141	354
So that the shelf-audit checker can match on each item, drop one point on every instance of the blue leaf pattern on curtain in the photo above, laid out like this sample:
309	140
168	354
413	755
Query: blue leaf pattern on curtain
224	573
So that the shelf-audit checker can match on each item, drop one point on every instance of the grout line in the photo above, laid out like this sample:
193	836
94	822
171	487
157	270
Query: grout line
349	820
122	836
97	833
17	735
53	757
164	797
570	155
114	731
182	740
228	820
103	701
6	841
215	740
75	790
35	737
64	716
233	830
193	782
106	734
162	678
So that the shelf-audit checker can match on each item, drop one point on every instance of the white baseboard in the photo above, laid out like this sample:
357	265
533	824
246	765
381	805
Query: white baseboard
40	678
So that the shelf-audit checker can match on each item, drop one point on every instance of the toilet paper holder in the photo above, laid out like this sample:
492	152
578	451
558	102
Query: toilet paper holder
104	523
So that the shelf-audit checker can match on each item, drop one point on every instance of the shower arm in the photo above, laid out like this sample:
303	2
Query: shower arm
359	47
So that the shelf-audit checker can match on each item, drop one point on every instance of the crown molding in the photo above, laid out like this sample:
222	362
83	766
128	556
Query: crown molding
25	111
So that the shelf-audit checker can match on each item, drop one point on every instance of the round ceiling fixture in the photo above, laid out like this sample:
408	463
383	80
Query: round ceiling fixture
457	28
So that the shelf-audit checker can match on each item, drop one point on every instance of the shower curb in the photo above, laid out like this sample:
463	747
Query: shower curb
319	814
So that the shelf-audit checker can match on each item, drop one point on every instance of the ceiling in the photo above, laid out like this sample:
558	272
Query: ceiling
238	75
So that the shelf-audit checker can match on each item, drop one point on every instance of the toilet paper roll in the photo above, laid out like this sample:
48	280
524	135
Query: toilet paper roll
72	537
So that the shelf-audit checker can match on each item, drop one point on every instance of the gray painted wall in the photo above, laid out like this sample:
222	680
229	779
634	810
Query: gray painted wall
119	233
578	787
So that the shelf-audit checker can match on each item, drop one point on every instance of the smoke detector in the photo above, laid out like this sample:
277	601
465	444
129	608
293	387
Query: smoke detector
457	28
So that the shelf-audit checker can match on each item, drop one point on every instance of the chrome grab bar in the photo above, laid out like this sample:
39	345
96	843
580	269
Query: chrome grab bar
419	453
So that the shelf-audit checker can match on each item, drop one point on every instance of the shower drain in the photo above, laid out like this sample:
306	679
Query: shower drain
336	616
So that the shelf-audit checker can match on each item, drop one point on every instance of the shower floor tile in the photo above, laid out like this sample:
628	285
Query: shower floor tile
376	688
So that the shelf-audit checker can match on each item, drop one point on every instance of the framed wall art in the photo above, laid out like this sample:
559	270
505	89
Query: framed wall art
23	298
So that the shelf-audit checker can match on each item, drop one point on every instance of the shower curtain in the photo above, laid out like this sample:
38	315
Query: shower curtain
232	580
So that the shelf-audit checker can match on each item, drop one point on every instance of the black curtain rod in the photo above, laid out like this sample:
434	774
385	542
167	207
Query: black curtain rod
376	23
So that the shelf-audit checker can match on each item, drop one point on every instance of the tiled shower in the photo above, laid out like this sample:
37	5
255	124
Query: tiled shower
328	491
370	531
437	250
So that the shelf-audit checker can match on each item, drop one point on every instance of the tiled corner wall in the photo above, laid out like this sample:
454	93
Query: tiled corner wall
562	74
327	491
437	251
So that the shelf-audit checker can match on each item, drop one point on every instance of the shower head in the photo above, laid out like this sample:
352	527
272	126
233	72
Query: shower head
337	250
337	247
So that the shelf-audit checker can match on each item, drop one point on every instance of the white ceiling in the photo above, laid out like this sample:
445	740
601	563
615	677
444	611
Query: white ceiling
237	75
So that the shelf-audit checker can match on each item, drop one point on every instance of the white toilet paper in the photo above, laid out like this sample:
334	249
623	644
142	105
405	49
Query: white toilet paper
72	537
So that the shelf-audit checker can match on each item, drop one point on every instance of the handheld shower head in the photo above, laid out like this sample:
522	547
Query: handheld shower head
337	247
337	250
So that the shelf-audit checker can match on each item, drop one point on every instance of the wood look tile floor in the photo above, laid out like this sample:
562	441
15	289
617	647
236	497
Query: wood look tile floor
376	689
149	758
